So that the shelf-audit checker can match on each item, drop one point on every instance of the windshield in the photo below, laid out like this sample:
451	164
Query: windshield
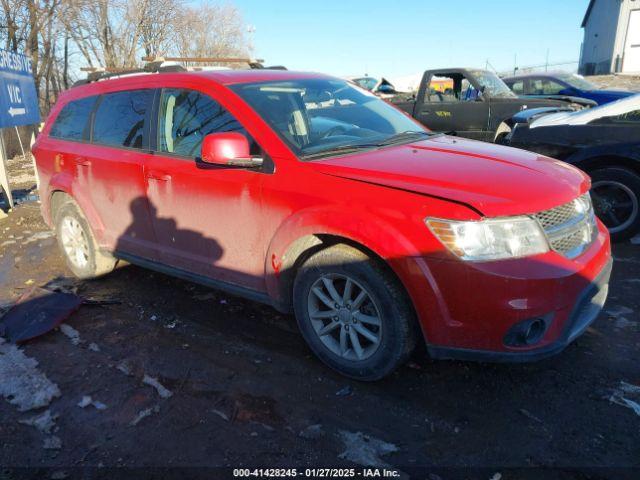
493	85
576	81
317	117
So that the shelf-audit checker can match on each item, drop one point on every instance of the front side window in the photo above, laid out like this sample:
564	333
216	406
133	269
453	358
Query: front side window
319	117
121	118
492	85
186	117
72	120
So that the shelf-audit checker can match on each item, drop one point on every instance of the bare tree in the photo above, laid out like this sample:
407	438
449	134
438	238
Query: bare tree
114	34
210	31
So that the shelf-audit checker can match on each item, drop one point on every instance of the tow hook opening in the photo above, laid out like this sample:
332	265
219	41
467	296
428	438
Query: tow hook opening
527	332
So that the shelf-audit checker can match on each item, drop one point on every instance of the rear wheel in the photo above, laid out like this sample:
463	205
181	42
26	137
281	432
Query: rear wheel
78	244
616	200
353	313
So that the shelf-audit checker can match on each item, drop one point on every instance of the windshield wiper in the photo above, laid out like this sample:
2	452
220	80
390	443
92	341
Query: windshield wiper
354	147
340	149
402	136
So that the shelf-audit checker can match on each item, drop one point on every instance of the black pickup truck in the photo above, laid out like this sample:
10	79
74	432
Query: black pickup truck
468	102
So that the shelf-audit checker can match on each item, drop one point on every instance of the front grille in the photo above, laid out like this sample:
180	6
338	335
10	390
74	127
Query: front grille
570	228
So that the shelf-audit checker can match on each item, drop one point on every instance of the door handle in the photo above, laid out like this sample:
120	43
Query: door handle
82	162
159	176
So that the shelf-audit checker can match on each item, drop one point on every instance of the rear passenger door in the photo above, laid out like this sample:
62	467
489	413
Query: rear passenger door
206	218
110	170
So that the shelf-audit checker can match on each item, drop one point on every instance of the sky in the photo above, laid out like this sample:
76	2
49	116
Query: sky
393	38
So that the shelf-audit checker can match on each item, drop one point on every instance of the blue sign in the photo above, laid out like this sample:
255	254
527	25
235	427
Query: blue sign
18	97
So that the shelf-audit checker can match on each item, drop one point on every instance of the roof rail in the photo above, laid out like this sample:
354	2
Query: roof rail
254	63
155	65
99	73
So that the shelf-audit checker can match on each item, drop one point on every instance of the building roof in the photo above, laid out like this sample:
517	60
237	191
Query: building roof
588	12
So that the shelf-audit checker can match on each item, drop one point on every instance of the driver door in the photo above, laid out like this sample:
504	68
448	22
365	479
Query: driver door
452	104
206	218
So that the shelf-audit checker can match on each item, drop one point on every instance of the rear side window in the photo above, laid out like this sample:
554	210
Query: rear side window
121	118
72	120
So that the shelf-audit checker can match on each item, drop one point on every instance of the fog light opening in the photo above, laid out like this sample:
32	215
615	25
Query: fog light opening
534	332
528	332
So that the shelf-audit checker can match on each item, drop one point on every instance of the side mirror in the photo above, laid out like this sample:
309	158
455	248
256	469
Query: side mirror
229	149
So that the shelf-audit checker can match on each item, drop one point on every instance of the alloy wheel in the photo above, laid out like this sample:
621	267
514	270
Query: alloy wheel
74	242
345	317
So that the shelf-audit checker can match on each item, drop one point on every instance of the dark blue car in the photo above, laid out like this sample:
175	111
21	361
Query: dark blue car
562	85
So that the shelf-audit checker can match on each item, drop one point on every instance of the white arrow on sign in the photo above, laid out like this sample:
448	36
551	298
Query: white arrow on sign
16	111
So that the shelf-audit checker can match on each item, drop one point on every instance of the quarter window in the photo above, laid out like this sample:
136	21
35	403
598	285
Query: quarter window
186	117
72	120
121	117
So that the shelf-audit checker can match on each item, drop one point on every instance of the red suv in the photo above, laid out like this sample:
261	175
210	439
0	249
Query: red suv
310	194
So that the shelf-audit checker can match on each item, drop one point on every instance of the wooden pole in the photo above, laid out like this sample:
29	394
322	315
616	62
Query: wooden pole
4	176
33	158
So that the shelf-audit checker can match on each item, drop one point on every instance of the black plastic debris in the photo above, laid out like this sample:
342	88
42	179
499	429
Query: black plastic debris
37	312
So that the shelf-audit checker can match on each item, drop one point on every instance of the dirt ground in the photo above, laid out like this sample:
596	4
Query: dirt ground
627	82
177	380
237	387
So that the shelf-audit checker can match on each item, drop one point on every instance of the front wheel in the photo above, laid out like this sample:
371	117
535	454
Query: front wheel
616	200
353	313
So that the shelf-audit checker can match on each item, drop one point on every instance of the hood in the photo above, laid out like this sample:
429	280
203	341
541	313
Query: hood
612	93
492	179
583	117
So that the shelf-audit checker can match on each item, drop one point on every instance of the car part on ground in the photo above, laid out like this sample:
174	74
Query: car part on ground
37	312
603	141
295	189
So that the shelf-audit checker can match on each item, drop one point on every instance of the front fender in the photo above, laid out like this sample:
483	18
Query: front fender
304	230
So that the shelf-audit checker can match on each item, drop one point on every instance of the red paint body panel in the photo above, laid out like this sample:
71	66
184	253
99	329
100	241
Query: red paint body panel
240	225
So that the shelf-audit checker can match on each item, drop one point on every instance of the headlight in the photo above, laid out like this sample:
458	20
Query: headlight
492	239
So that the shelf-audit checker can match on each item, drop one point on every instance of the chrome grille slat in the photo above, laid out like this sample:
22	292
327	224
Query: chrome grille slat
570	228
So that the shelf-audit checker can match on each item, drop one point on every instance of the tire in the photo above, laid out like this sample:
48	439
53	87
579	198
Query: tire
75	236
386	300
616	190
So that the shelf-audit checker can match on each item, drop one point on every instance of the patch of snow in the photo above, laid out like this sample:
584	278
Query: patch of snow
124	367
365	450
38	236
71	333
86	400
153	382
21	382
144	414
44	422
627	395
